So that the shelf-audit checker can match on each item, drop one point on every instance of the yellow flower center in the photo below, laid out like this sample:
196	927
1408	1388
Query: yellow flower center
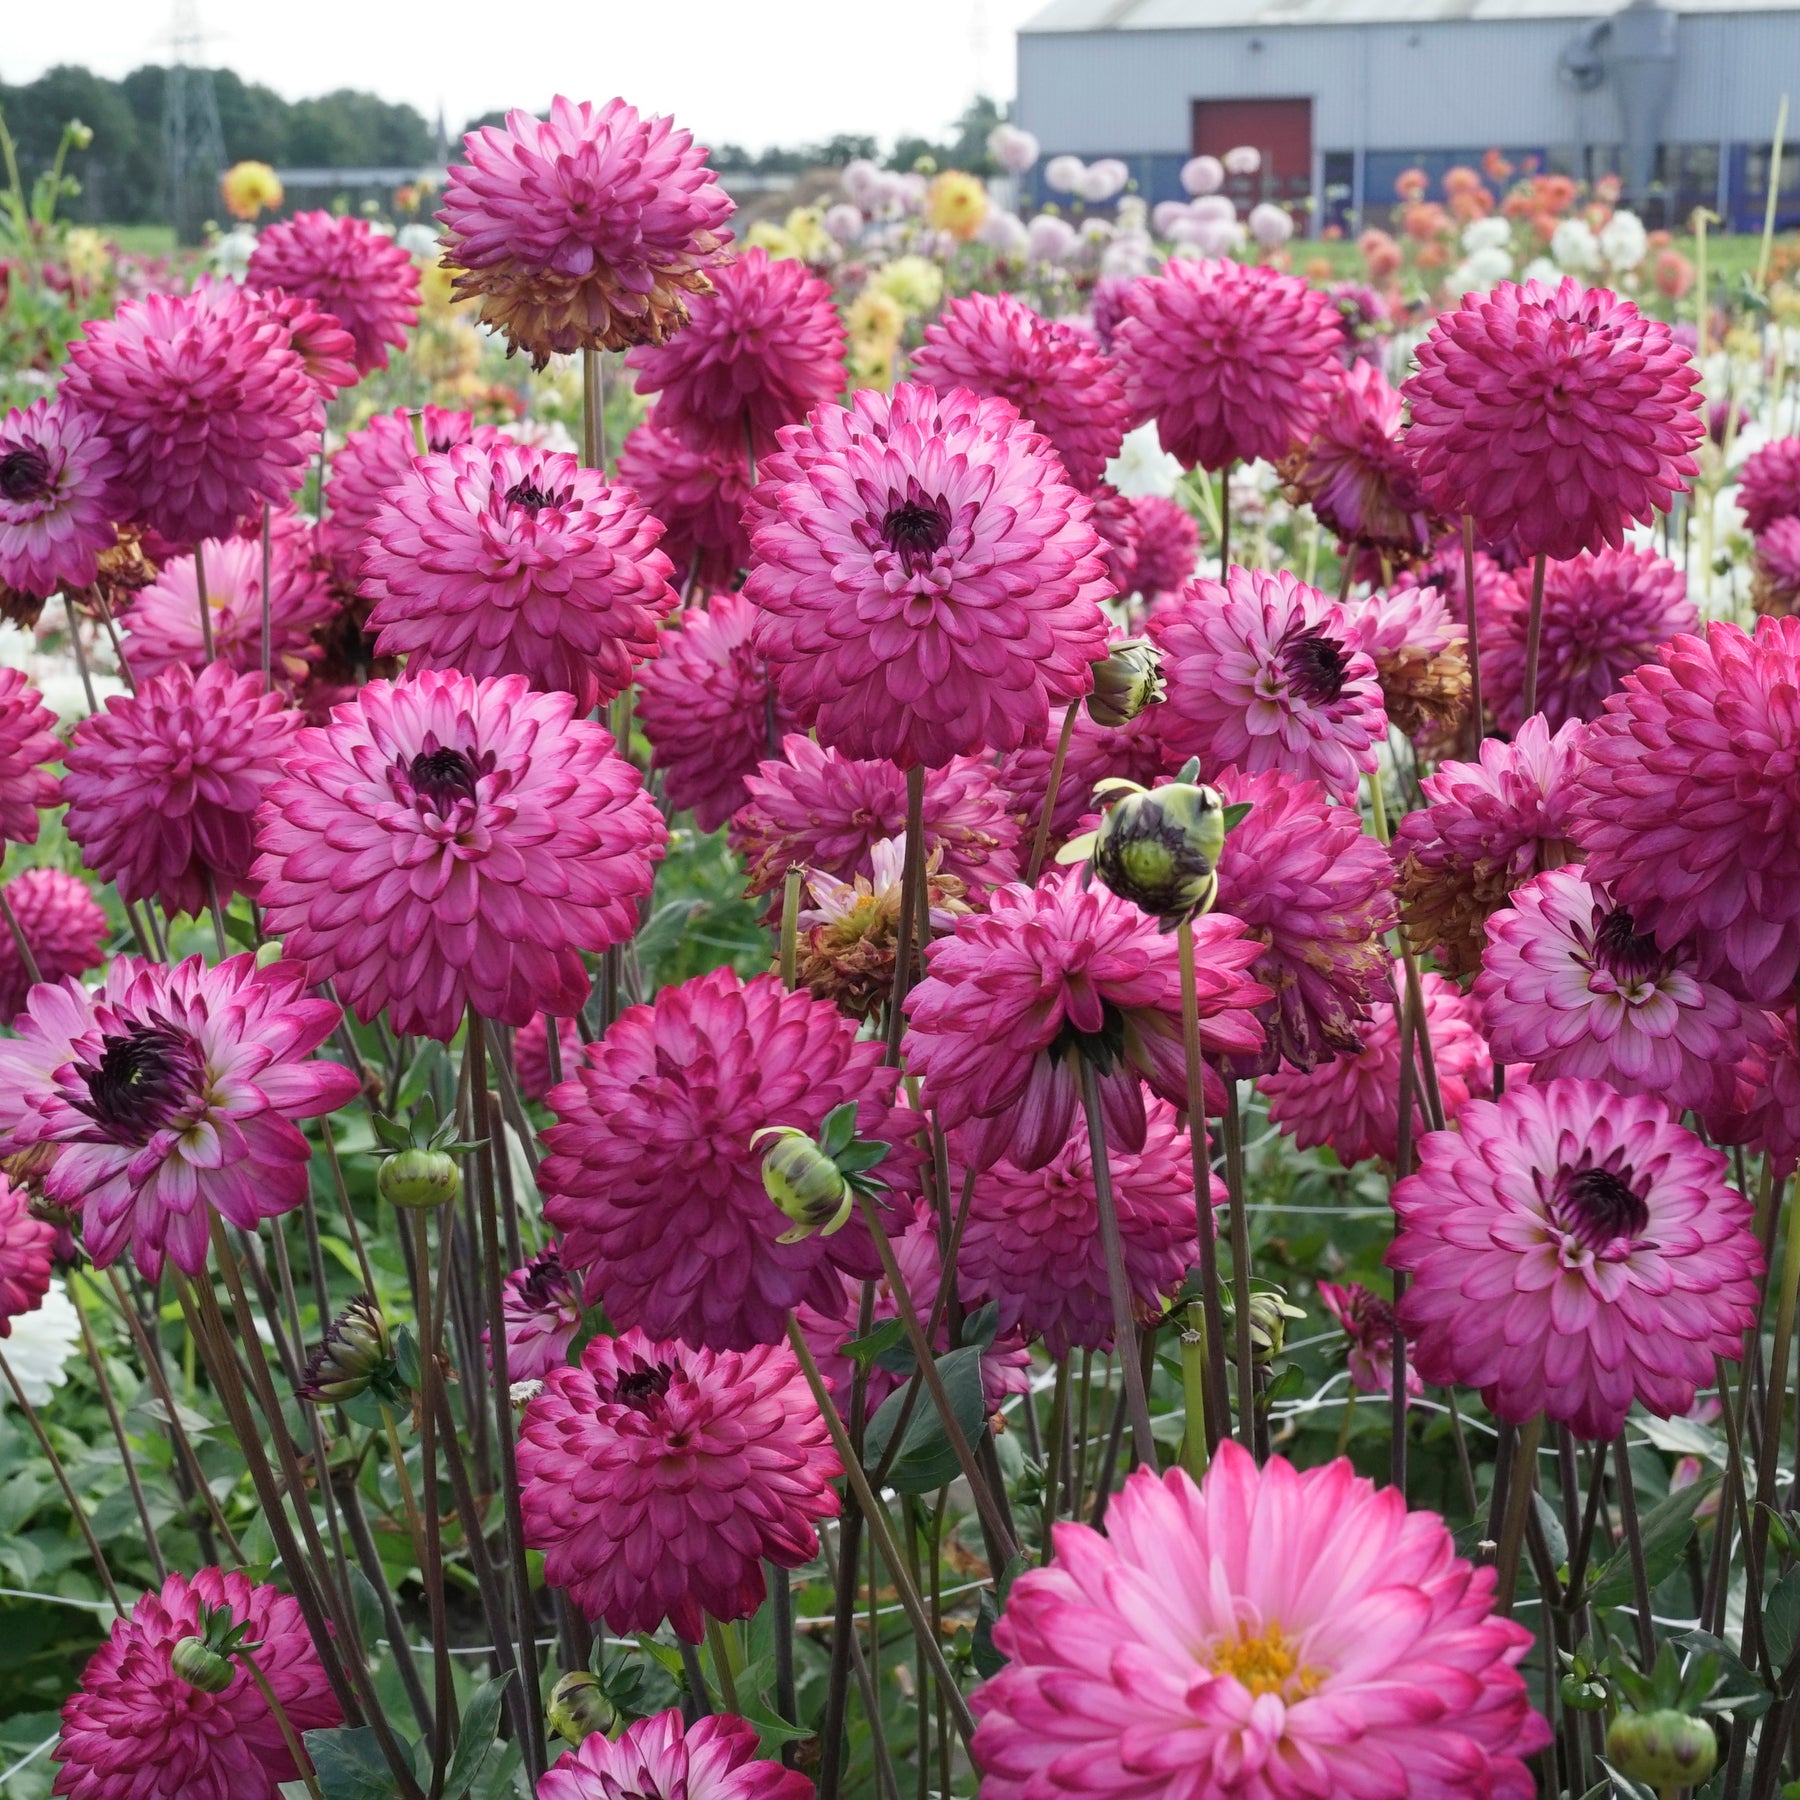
1266	1663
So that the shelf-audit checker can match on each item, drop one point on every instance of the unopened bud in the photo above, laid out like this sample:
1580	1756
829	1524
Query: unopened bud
579	1708
1126	683
1269	1314
1665	1750
201	1666
355	1354
1159	849
419	1178
805	1184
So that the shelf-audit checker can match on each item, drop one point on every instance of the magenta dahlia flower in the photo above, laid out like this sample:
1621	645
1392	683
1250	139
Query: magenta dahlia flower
1776	588
207	403
1554	416
1420	651
699	497
27	1247
1168	545
1266	673
27	741
327	349
1063	384
1758	1102
929	580
447	843
531	1054
356	273
62	922
1769	485
655	1185
1367	1322
170	1093
657	1478
1688	804
1134	752
1233	362
1006	1004
59	496
1113	517
1270	1634
1572	1249
589	229
542	1305
704	703
715	1758
1352	1105
135	1730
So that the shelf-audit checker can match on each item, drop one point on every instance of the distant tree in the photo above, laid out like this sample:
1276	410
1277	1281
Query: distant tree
966	148
119	172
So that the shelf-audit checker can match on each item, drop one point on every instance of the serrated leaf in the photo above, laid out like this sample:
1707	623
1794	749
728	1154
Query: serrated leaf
349	1764
1664	1531
480	1723
925	1460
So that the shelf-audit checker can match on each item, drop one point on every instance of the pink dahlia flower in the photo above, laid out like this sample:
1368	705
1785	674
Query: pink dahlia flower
511	561
65	926
1270	1634
1572	1249
653	1180
27	1249
135	1730
1135	752
531	1054
704	704
929	580
589	229
447	843
542	1304
1555	416
163	785
1266	673
27	741
1688	805
1058	378
327	349
699	497
656	1478
715	1758
1758	1103
59	496
1168	545
170	1093
758	352
1008	1003
1352	1105
207	403
1420	651
1316	892
1769	485
1776	590
818	810
357	274
1367	1321
1113	517
1234	363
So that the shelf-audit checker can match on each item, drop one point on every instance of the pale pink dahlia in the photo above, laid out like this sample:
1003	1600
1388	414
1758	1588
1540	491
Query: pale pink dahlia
1168	545
653	1180
1266	673
1134	751
27	1245
929	580
1234	363
531	1054
1272	1634
1555	416
1769	485
758	352
1367	1321
63	923
819	810
1758	1103
1054	972
1420	651
1572	1249
1316	892
542	1304
446	843
327	349
207	402
700	499
656	1478
704	704
135	1730
170	1093
59	497
357	274
1776	589
1688	804
659	1758
27	741
163	785
589	229
1063	384
1352	1105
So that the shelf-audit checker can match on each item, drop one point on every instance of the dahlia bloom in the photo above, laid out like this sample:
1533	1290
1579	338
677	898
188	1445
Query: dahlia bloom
135	1730
59	495
588	229
819	810
656	1478
531	1054
1769	485
1134	752
1572	1249
715	1758
1058	378
1270	1634
205	400
62	922
1316	892
654	1183
1111	514
1266	673
26	1246
995	1026
1758	1102
351	270
704	704
758	352
1688	804
1367	1321
542	1305
324	346
929	580
699	497
27	741
1234	363
163	785
1168	545
447	843
1420	651
1776	591
1352	1105
1554	416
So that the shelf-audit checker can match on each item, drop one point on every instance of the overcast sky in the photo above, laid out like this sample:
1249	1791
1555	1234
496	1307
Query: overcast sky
751	72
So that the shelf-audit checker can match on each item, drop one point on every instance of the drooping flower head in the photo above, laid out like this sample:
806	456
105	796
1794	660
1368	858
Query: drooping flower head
356	273
700	498
657	1478
1775	592
543	1311
59	496
1769	485
589	229
531	1054
1367	1321
26	1260
27	741
929	580
1420	651
324	346
1572	1249
1554	416
1270	1634
1168	545
659	1758
64	925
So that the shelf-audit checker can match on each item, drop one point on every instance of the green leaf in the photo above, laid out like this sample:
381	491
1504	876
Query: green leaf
1664	1531
925	1461
1781	1618
1550	1522
858	1158
864	1350
982	1326
1237	812
480	1723
349	1764
839	1128
988	1661
406	1356
371	1623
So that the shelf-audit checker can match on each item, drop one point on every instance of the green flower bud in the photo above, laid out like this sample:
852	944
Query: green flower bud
579	1708
201	1666
807	1186
1664	1750
419	1178
1158	849
1129	681
80	135
356	1354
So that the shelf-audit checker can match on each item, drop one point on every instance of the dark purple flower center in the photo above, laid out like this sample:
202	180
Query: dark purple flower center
141	1082
441	778
1315	666
25	474
546	1284
1627	954
532	497
439	445
1597	1207
915	531
642	1389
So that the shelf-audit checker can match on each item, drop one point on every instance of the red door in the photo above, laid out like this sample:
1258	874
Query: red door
1280	129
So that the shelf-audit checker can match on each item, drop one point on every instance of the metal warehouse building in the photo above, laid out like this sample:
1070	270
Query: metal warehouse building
1678	99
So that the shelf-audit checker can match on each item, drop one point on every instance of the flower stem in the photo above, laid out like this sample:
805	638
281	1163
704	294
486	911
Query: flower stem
1518	1509
302	1762
26	960
1534	630
1193	1391
1231	1133
721	1657
593	409
790	927
206	630
1217	1413
1775	1409
81	662
912	900
267	601
1634	1545
1040	841
1473	644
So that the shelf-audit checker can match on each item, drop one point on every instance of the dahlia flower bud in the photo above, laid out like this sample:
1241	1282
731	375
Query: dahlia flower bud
1159	847
1269	1314
202	1667
815	1183
579	1708
1128	683
419	1178
1665	1750
355	1355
